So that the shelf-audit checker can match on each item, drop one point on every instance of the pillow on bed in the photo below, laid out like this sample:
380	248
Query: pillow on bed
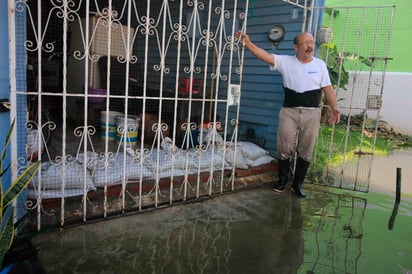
133	169
204	160
263	160
113	176
165	160
52	176
251	151
240	161
90	158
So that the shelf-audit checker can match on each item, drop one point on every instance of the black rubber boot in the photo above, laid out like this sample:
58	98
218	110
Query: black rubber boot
299	177
283	172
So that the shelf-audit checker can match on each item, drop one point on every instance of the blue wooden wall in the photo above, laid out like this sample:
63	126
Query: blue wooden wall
262	92
4	82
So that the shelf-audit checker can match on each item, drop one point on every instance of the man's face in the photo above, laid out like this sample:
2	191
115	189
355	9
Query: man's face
305	47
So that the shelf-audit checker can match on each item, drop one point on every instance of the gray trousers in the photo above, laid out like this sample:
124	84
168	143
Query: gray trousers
298	129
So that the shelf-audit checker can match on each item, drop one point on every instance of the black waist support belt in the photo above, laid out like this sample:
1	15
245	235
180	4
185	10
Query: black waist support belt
309	98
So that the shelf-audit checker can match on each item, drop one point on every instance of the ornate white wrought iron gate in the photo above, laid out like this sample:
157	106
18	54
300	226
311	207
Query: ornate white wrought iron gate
130	104
354	42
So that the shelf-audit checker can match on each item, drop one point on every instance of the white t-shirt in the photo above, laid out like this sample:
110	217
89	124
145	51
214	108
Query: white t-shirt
302	77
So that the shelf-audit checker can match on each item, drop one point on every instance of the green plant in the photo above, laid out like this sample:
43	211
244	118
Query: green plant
335	61
6	199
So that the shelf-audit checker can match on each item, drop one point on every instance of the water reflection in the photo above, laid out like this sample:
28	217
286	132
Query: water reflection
254	231
333	233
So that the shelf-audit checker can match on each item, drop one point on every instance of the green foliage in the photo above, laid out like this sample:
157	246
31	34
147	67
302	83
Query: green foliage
335	61
332	12
6	199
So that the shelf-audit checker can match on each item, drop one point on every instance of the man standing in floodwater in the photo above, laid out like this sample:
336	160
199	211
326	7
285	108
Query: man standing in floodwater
304	79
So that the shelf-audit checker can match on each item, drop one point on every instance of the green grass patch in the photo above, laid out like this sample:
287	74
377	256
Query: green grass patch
337	145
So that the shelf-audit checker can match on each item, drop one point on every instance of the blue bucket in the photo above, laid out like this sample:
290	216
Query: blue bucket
108	120
128	134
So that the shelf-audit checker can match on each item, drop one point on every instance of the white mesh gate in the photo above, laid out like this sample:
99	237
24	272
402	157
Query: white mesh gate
130	104
354	42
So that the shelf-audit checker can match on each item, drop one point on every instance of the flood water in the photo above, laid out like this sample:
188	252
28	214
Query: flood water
253	231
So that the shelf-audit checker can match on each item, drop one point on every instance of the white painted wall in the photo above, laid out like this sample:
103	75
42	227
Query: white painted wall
397	101
396	107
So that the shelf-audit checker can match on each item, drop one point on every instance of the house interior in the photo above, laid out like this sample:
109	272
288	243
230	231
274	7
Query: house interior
166	103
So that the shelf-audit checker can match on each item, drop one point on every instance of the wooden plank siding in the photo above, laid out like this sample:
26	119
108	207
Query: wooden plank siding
262	89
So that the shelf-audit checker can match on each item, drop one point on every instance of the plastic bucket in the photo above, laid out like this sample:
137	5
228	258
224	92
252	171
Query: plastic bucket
128	134
110	122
